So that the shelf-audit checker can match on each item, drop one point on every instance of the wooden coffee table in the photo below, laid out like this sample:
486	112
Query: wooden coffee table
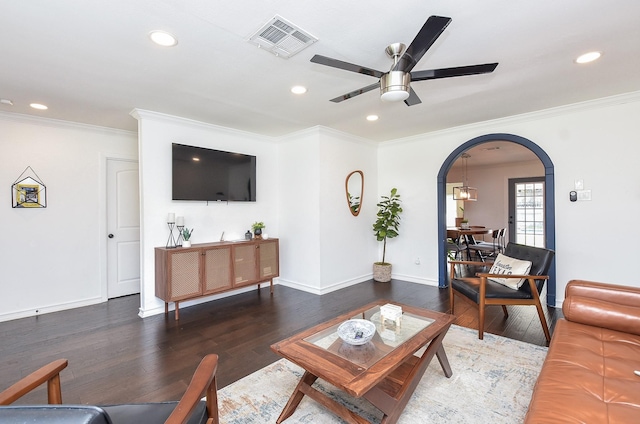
385	371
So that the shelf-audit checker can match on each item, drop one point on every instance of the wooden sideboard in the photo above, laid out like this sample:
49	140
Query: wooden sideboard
210	268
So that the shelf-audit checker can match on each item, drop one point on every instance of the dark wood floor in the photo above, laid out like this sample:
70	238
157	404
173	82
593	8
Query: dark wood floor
115	356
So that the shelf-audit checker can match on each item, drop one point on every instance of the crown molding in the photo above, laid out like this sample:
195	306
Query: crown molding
490	125
141	114
58	123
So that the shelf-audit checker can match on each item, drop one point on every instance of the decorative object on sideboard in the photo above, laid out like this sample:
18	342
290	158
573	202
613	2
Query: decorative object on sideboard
248	235
171	222
257	229
179	226
386	226
186	235
28	191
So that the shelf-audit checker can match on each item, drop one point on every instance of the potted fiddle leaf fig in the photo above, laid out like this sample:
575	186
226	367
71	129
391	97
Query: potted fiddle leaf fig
386	227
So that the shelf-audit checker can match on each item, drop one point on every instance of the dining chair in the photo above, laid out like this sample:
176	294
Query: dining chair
453	245
475	282
489	249
191	409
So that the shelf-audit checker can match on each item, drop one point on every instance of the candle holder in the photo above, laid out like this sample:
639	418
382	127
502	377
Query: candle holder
171	241
180	239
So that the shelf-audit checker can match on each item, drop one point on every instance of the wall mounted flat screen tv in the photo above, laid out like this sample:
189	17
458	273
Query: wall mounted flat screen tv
212	175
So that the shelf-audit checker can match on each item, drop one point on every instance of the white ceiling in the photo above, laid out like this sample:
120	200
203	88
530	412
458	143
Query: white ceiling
92	61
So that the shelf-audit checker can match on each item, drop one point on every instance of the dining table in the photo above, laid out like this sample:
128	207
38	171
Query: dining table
466	235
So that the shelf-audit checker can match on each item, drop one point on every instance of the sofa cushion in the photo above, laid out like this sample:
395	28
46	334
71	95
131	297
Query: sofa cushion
587	377
509	266
600	313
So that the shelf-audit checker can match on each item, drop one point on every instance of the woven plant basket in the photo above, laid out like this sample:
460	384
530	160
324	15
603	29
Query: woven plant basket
382	272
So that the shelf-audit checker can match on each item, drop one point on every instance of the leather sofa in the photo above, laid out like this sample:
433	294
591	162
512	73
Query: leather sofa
588	374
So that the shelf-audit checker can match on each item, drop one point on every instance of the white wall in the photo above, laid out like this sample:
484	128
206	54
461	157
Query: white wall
53	258
348	246
299	207
597	142
327	247
209	219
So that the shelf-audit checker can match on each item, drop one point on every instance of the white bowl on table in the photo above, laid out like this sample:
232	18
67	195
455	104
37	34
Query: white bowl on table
357	331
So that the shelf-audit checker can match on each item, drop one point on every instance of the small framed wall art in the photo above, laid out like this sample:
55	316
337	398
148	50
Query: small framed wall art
28	191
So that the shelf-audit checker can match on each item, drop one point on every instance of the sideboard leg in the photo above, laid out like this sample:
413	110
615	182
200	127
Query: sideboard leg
271	285
166	308
177	312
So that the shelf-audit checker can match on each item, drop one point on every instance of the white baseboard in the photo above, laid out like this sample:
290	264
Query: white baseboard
34	312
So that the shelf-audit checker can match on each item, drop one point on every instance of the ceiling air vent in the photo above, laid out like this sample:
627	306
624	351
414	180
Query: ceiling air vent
282	38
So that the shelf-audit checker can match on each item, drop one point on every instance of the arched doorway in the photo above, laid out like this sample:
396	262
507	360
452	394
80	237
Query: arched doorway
549	203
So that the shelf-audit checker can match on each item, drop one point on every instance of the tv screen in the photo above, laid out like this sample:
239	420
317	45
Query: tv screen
206	174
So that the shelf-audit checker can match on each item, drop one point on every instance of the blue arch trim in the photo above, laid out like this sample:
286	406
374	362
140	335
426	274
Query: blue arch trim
550	220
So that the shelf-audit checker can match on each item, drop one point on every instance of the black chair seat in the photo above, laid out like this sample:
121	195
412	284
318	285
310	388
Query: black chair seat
493	291
53	414
142	413
151	413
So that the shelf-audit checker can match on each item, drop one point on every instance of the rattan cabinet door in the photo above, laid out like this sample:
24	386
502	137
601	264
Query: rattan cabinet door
268	265
244	264
217	269
184	275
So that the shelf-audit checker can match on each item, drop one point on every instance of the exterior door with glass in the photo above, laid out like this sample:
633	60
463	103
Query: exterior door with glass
526	211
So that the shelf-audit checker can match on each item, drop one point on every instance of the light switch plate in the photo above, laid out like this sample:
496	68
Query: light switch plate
579	184
584	195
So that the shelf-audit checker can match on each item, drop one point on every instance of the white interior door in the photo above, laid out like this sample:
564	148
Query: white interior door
123	226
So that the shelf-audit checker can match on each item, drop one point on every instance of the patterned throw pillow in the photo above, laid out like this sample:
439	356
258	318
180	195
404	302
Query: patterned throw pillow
510	266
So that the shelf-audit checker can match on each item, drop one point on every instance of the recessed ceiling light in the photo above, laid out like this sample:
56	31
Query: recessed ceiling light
6	102
163	38
38	106
298	89
372	118
588	57
195	159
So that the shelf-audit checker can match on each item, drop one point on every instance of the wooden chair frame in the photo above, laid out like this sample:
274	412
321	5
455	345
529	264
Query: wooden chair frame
202	383
481	280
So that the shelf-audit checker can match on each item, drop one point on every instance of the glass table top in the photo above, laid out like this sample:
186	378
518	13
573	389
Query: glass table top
389	335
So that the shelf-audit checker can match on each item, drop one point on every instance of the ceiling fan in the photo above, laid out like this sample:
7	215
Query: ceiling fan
395	84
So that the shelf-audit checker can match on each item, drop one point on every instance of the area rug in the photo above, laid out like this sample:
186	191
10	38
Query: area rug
492	383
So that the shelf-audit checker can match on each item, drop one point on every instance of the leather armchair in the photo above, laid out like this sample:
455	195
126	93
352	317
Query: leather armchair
471	281
190	409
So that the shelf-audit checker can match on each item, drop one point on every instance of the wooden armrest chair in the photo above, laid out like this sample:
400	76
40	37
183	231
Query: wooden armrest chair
471	281
190	409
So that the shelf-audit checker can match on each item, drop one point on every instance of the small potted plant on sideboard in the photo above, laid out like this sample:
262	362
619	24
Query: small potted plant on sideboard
186	235
257	229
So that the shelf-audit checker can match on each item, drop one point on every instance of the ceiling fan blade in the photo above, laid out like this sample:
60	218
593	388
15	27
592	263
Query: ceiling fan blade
356	92
453	72
413	98
335	63
427	35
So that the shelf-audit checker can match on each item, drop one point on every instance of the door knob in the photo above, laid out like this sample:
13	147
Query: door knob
110	235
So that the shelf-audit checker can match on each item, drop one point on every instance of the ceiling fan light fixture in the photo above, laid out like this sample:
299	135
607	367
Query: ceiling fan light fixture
394	86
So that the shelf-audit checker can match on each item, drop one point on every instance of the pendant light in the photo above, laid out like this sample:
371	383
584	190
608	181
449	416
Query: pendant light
465	193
